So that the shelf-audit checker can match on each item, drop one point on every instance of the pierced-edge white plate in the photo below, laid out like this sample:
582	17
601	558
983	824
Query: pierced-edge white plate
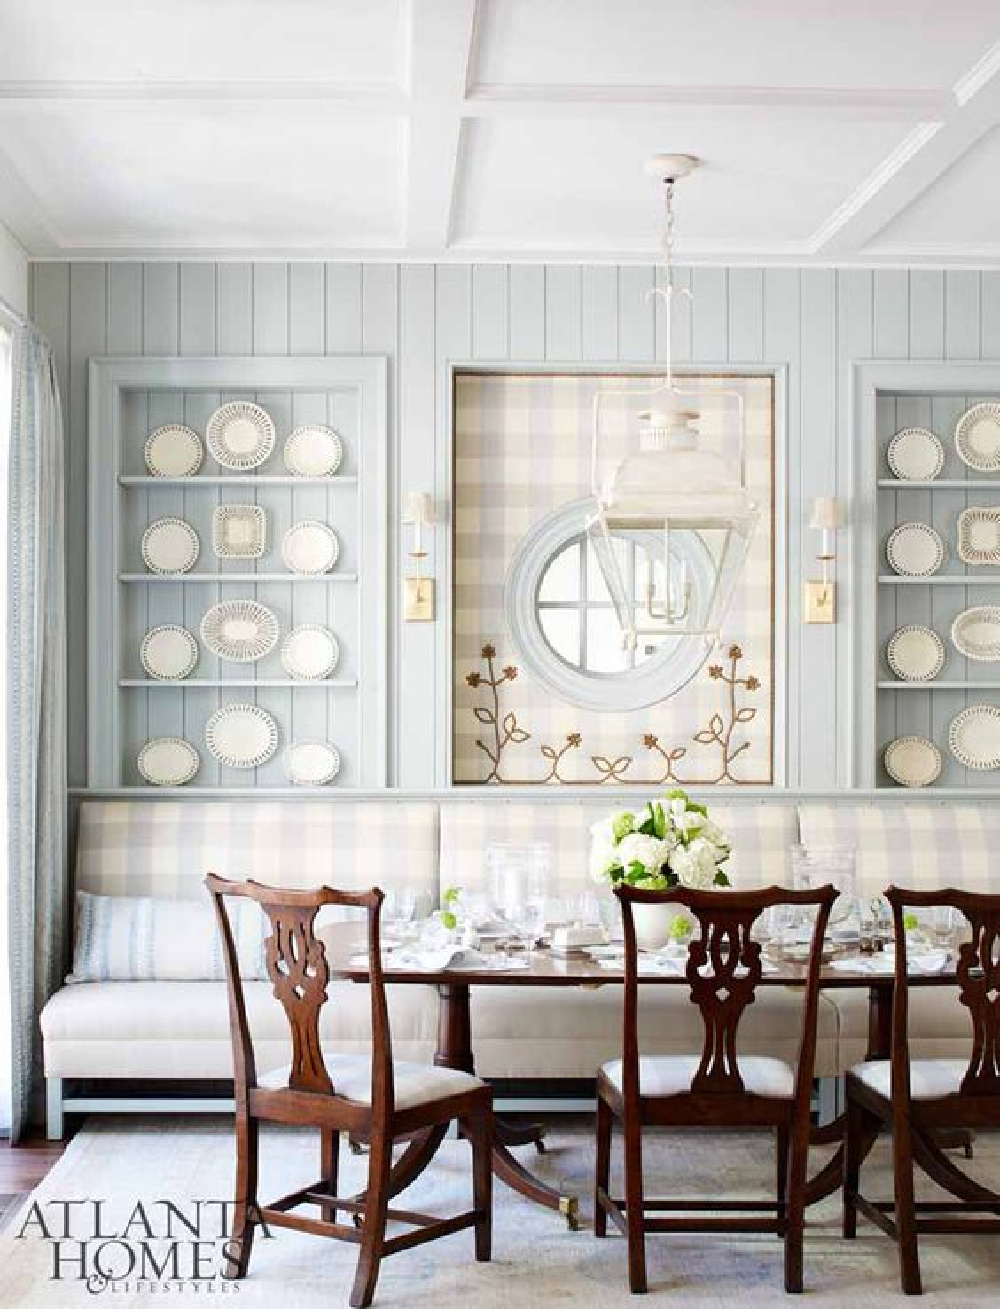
974	737
312	763
168	761
912	761
240	435
239	531
170	545
310	547
313	450
241	735
173	450
975	633
914	550
310	652
915	455
915	653
241	630
979	536
169	653
977	437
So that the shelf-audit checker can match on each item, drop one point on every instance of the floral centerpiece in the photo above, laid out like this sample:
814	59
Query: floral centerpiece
671	842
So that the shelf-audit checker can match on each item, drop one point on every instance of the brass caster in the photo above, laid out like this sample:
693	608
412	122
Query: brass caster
569	1207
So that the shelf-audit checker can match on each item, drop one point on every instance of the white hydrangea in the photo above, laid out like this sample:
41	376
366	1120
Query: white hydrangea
696	864
646	850
602	855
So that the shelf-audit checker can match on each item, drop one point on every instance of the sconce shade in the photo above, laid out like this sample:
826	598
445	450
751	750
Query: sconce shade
419	508
827	514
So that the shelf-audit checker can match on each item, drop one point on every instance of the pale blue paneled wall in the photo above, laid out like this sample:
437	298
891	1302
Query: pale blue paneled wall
815	321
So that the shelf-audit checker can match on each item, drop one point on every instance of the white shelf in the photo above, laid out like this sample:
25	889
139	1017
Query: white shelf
246	479
236	683
940	484
953	579
939	686
225	579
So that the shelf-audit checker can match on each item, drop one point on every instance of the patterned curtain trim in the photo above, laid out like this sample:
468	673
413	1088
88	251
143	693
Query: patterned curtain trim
36	708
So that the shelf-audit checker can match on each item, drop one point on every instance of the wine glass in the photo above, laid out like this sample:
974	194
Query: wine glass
527	918
398	909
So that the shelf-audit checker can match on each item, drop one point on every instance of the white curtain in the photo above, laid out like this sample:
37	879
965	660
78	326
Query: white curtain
36	708
5	1032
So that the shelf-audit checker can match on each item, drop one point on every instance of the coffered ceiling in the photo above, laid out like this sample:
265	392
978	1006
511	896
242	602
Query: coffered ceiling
862	131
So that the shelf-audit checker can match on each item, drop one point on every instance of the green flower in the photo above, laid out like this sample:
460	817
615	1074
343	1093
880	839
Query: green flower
623	825
910	921
680	928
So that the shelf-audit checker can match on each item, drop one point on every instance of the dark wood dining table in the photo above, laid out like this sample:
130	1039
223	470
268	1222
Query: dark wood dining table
545	969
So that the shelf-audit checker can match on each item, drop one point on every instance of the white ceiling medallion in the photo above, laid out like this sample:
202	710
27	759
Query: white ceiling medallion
240	435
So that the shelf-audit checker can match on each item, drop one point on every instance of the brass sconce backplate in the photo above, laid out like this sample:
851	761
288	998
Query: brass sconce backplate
418	599
819	603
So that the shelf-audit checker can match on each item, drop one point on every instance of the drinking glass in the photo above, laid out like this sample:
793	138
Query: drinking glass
867	926
527	919
397	910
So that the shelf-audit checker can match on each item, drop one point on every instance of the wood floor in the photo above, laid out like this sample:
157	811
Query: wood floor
22	1168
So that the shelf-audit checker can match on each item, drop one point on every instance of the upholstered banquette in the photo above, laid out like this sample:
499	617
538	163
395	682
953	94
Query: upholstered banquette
179	1030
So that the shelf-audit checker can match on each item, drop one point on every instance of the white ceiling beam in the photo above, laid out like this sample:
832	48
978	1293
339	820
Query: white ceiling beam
924	156
441	42
372	98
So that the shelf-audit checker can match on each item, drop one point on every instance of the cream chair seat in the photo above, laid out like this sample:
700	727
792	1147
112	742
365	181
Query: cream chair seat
413	1084
672	1075
929	1078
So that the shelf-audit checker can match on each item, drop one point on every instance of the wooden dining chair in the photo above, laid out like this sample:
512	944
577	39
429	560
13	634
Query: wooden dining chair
717	1088
372	1099
918	1097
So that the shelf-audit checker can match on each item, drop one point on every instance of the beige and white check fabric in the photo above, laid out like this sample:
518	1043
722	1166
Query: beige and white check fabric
522	449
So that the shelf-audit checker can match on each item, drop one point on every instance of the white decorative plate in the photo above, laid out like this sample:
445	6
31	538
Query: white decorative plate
915	653
170	545
239	531
241	630
915	550
310	652
974	737
168	761
169	653
173	451
241	735
240	435
975	633
977	437
312	763
915	455
912	761
979	536
313	451
310	547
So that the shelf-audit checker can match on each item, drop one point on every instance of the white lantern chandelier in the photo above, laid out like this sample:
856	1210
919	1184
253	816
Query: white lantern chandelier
687	506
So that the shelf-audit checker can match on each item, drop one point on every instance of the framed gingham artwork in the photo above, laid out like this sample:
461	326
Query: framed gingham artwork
522	449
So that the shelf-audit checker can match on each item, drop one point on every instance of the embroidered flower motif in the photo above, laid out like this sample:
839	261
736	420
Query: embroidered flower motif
753	683
573	738
650	741
473	679
715	671
510	672
489	652
735	652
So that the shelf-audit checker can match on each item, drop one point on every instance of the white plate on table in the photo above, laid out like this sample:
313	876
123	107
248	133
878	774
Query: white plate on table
915	550
915	653
241	630
313	450
310	547
915	455
170	545
974	737
168	761
173	450
169	652
975	633
912	761
310	652
241	736
977	437
240	435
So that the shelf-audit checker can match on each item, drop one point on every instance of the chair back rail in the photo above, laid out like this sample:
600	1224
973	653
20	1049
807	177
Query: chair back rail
977	976
723	971
299	973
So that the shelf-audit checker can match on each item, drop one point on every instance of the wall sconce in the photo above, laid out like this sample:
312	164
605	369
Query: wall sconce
820	597
418	591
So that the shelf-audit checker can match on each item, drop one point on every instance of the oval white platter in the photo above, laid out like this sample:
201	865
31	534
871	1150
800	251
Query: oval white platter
240	435
241	630
310	547
915	455
979	536
977	437
313	450
974	737
912	761
915	653
170	545
914	550
241	735
173	450
169	653
975	633
239	531
312	763
168	761
310	652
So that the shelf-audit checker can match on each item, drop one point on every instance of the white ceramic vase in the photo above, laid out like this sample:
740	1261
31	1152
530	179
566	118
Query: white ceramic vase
652	924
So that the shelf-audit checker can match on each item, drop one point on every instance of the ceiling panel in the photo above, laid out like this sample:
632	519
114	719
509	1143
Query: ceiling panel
566	183
195	40
183	175
925	44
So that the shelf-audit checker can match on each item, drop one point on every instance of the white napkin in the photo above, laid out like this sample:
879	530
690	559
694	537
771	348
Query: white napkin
930	963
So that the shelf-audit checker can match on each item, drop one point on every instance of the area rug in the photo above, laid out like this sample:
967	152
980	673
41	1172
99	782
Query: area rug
537	1261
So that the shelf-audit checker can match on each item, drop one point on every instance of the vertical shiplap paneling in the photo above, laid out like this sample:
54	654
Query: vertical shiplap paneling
990	314
961	315
124	309
710	315
270	309
234	314
306	309
599	312
563	312
343	309
490	331
926	314
745	316
527	312
817	476
197	309
891	314
636	314
160	308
